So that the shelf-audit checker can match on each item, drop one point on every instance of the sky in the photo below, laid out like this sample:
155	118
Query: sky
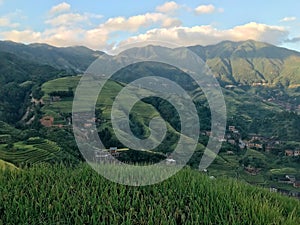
110	24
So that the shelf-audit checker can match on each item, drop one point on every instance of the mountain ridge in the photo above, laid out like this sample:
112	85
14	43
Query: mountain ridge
74	59
238	63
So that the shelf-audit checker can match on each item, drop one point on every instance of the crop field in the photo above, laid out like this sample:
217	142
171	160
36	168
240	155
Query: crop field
46	194
6	166
34	150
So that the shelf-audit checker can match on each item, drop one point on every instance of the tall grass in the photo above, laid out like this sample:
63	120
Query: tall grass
47	194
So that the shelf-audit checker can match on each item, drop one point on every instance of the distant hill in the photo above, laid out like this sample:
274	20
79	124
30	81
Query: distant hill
14	68
251	62
17	78
247	62
264	87
75	59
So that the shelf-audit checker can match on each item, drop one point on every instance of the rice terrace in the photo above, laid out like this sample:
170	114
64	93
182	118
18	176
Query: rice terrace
153	112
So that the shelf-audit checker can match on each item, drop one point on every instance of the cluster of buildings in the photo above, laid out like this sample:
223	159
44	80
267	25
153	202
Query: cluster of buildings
106	155
290	179
48	121
257	142
292	152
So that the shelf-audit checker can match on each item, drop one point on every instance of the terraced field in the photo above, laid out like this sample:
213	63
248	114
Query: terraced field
34	150
105	101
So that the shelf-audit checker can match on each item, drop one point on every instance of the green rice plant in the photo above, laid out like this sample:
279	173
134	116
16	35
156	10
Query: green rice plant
45	194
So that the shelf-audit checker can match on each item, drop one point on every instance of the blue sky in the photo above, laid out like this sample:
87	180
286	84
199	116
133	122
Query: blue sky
103	24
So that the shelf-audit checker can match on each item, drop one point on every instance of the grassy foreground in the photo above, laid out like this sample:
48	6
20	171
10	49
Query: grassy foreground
47	194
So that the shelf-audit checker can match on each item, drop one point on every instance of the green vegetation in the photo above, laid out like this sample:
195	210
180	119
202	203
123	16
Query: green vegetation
73	59
140	115
249	62
260	83
55	194
34	150
18	77
247	111
6	165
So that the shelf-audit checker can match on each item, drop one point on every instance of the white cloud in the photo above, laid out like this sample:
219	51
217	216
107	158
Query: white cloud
66	28
134	23
288	19
24	36
62	7
206	35
5	22
71	29
60	37
68	19
97	38
171	22
205	9
168	7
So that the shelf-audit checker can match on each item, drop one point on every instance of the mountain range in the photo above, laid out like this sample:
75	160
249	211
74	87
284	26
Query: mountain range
259	81
236	63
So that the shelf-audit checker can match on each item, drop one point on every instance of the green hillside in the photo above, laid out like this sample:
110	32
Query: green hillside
55	194
73	59
250	62
141	113
18	78
262	99
247	112
31	151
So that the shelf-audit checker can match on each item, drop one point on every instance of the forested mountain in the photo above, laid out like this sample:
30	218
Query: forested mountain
18	78
260	84
247	62
73	59
251	62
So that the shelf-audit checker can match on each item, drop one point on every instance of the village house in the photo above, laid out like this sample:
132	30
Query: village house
255	137
88	125
291	178
296	184
114	151
249	144
292	153
221	139
103	156
106	155
231	141
273	189
208	133
259	146
289	153
231	128
92	120
288	179
47	121
170	161
252	170
296	152
230	86
242	144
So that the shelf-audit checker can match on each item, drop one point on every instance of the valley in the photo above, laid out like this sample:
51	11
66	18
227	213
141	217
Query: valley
261	146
